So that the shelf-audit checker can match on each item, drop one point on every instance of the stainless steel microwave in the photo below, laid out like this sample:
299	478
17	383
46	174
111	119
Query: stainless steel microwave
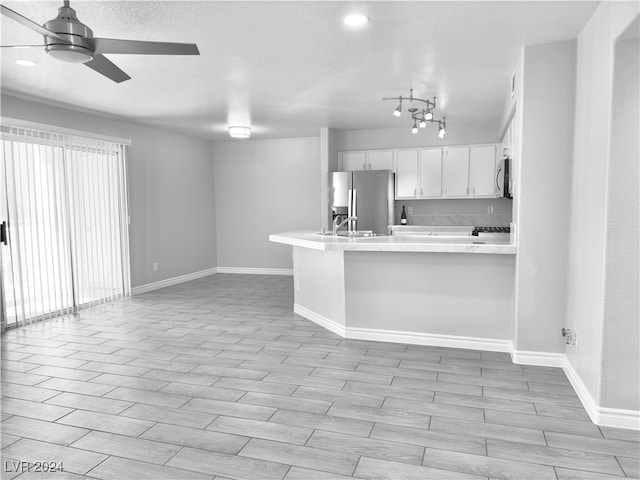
503	178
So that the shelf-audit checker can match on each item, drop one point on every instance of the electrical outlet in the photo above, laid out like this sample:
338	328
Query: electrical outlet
155	266
490	209
410	210
570	336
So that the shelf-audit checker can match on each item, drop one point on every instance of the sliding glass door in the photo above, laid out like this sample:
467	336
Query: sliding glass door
64	204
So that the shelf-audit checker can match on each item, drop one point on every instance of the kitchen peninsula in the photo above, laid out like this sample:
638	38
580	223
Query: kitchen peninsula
455	292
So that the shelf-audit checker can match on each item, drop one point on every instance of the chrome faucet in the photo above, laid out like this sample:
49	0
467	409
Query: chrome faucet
337	225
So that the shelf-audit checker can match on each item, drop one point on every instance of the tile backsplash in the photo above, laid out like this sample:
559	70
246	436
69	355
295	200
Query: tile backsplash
473	219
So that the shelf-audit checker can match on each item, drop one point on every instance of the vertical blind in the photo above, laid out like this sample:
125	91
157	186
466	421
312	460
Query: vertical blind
65	204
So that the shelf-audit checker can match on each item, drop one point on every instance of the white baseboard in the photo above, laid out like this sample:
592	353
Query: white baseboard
256	271
396	336
540	359
607	417
205	273
319	319
172	281
603	416
428	339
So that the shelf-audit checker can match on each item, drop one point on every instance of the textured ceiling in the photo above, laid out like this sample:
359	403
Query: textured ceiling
290	68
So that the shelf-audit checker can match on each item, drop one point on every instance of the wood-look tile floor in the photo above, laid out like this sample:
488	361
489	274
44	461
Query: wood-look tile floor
218	378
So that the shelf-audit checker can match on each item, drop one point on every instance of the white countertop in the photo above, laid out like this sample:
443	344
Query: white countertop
313	240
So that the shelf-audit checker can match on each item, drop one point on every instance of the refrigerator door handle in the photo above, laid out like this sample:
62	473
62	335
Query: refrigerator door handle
349	206
355	209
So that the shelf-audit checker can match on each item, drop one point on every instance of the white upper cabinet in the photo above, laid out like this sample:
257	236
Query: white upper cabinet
482	168
367	160
455	172
430	173
380	160
406	173
465	171
354	161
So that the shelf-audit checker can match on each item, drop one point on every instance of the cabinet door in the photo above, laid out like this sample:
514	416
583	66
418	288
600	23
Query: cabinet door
406	173
482	168
431	172
455	172
353	161
380	159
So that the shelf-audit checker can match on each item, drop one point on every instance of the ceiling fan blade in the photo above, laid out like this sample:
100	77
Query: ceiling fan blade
136	47
106	67
7	12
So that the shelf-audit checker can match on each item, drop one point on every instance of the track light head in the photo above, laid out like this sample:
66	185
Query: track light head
442	126
398	111
428	115
414	129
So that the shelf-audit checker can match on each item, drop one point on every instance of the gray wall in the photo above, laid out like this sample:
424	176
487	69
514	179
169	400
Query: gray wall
264	187
402	137
543	195
170	190
590	305
620	352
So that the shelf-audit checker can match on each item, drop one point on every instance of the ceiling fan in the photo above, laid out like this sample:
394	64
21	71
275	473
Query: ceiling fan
67	38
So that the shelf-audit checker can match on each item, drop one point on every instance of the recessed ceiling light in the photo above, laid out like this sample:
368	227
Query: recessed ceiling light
26	63
355	20
240	132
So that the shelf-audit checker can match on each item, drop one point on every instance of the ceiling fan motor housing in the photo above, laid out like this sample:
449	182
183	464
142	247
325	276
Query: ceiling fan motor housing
66	24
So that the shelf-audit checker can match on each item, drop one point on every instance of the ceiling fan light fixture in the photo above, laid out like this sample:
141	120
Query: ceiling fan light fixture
239	132
25	62
70	53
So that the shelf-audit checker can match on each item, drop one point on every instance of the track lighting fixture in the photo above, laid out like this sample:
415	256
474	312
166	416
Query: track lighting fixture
398	111
420	116
442	128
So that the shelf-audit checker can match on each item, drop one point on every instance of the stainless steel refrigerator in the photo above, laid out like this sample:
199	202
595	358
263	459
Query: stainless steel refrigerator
366	194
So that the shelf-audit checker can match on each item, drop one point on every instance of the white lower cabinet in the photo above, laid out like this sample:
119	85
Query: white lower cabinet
455	172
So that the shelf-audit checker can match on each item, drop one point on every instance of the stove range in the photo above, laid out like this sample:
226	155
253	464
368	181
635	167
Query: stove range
492	230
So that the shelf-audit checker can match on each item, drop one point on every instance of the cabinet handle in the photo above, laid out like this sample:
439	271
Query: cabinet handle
415	192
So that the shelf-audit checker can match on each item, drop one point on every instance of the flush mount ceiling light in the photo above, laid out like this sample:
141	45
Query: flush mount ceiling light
239	132
420	116
26	63
355	20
